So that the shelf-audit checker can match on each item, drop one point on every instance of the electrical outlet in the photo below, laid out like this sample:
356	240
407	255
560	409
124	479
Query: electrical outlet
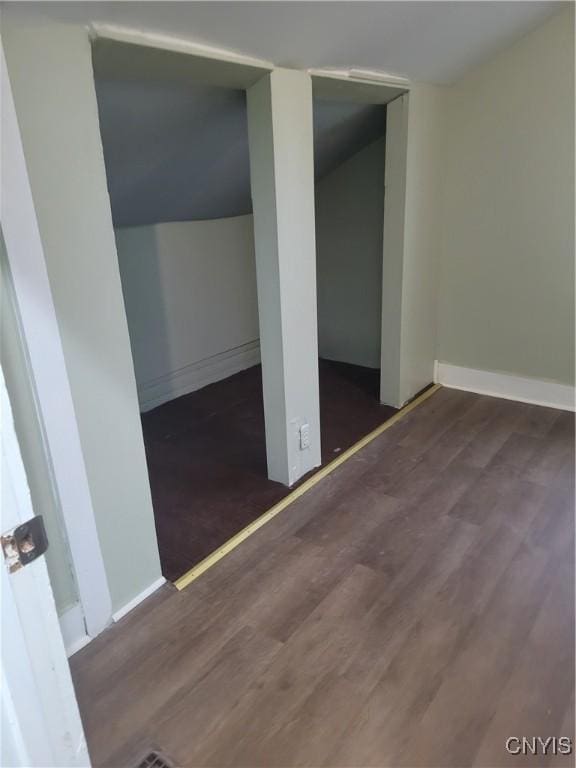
304	437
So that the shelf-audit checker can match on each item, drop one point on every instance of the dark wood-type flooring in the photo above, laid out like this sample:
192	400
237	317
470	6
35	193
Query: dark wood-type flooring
415	608
206	455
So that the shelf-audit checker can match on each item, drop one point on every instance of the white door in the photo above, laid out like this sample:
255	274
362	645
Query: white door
40	722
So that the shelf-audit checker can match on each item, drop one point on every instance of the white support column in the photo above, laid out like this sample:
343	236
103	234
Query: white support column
282	179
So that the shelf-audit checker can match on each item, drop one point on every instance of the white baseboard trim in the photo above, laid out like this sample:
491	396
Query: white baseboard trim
73	629
72	620
526	390
131	604
197	375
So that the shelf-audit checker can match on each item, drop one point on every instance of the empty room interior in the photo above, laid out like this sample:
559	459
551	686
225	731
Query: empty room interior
176	150
288	345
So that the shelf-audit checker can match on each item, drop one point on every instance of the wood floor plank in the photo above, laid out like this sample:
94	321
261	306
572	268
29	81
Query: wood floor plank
537	421
537	695
196	708
420	431
517	451
553	527
407	597
456	720
386	722
556	455
447	486
567	730
504	417
352	521
410	610
318	649
490	489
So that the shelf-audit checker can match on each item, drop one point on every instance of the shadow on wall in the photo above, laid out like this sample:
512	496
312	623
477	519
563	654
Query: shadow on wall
349	233
191	303
144	301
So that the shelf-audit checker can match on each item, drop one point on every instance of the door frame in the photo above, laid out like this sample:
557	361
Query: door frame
48	374
395	96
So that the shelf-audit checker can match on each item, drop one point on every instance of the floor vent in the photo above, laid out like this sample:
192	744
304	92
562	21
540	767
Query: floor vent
155	759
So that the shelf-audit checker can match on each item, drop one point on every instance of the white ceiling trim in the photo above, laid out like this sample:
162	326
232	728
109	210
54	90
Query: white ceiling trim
371	77
171	43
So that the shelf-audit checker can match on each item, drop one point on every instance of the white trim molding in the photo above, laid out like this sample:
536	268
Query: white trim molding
72	623
73	629
197	375
526	390
131	604
167	42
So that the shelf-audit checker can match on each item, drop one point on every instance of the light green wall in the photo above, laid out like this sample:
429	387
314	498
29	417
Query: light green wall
507	278
412	241
50	70
13	357
422	237
190	293
349	226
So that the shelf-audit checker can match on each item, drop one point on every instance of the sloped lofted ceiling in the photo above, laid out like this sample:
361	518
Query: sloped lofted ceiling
175	150
433	42
179	151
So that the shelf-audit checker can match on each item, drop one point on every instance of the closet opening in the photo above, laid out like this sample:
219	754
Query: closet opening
175	139
350	153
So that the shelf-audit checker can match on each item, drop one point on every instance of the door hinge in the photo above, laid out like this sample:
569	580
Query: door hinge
24	543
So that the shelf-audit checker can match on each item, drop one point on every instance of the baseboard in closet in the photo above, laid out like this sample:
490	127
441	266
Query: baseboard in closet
198	374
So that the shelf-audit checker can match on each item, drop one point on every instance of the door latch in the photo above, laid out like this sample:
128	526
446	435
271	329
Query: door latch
24	543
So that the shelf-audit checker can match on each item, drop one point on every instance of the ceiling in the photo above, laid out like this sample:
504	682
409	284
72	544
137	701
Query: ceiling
434	42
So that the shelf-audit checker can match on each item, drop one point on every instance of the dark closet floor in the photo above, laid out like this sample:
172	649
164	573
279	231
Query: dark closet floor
207	459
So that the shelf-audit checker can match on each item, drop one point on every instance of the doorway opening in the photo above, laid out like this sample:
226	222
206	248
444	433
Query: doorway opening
350	147
175	138
176	154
